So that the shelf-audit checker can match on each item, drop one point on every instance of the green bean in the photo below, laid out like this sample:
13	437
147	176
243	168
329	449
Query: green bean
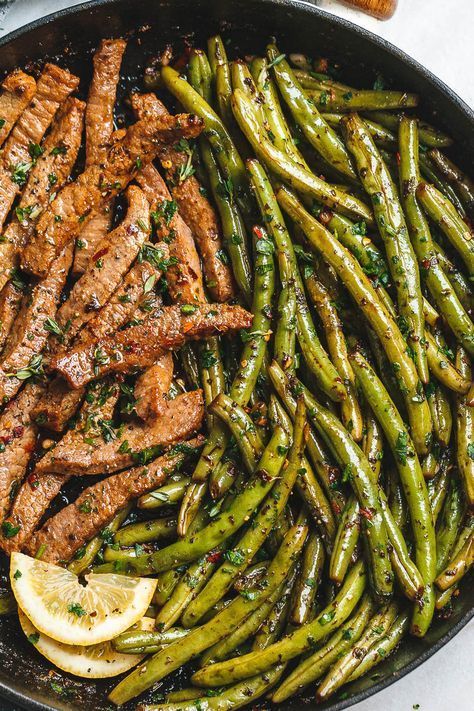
215	131
442	368
443	598
8	604
430	464
383	324
308	580
344	667
402	262
144	640
223	649
314	666
320	503
397	501
314	354
274	625
459	281
382	648
429	136
244	550
285	334
157	530
438	486
227	522
193	580
441	415
430	174
178	653
438	284
222	478
372	442
381	135
166	583
87	554
317	132
443	214
465	431
274	116
331	97
448	530
346	541
233	228
351	414
211	371
252	354
295	643
121	555
241	427
190	504
166	495
458	566
412	480
462	183
285	167
183	695
200	74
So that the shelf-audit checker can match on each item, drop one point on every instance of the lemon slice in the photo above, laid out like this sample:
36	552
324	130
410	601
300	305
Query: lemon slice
62	608
96	661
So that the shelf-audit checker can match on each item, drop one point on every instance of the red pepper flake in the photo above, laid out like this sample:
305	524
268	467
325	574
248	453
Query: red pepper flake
18	431
33	480
100	254
258	232
397	157
214	557
7	439
366	514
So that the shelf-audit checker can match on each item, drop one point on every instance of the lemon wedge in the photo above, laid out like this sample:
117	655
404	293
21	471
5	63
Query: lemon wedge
59	606
97	661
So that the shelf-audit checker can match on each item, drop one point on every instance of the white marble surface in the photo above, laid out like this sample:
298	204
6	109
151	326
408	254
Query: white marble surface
436	33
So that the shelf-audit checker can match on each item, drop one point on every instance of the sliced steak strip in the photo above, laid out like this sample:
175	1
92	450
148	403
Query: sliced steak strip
66	532
140	346
151	388
10	302
108	266
74	204
53	87
18	89
18	438
60	403
37	492
194	207
185	276
101	100
82	454
30	334
99	129
46	177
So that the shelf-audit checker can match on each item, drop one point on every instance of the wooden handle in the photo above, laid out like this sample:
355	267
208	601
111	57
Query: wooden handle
382	9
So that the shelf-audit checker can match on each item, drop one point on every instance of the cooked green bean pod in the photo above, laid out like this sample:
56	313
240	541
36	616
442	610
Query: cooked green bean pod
346	541
145	640
458	566
433	275
200	74
308	580
361	289
443	369
390	219
465	430
462	183
448	530
166	495
443	214
429	136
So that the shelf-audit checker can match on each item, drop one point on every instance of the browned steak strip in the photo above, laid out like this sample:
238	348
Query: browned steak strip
61	147
53	87
30	334
74	204
151	388
140	346
18	89
184	276
108	266
194	207
60	403
37	492
17	439
82	453
99	129
10	302
100	102
66	532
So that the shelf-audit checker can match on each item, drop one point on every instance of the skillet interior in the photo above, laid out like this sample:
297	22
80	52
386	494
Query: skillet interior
69	37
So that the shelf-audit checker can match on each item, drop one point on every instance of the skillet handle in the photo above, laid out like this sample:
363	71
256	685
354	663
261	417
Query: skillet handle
382	9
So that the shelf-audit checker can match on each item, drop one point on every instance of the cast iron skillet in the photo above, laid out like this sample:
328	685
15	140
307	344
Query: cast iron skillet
68	37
